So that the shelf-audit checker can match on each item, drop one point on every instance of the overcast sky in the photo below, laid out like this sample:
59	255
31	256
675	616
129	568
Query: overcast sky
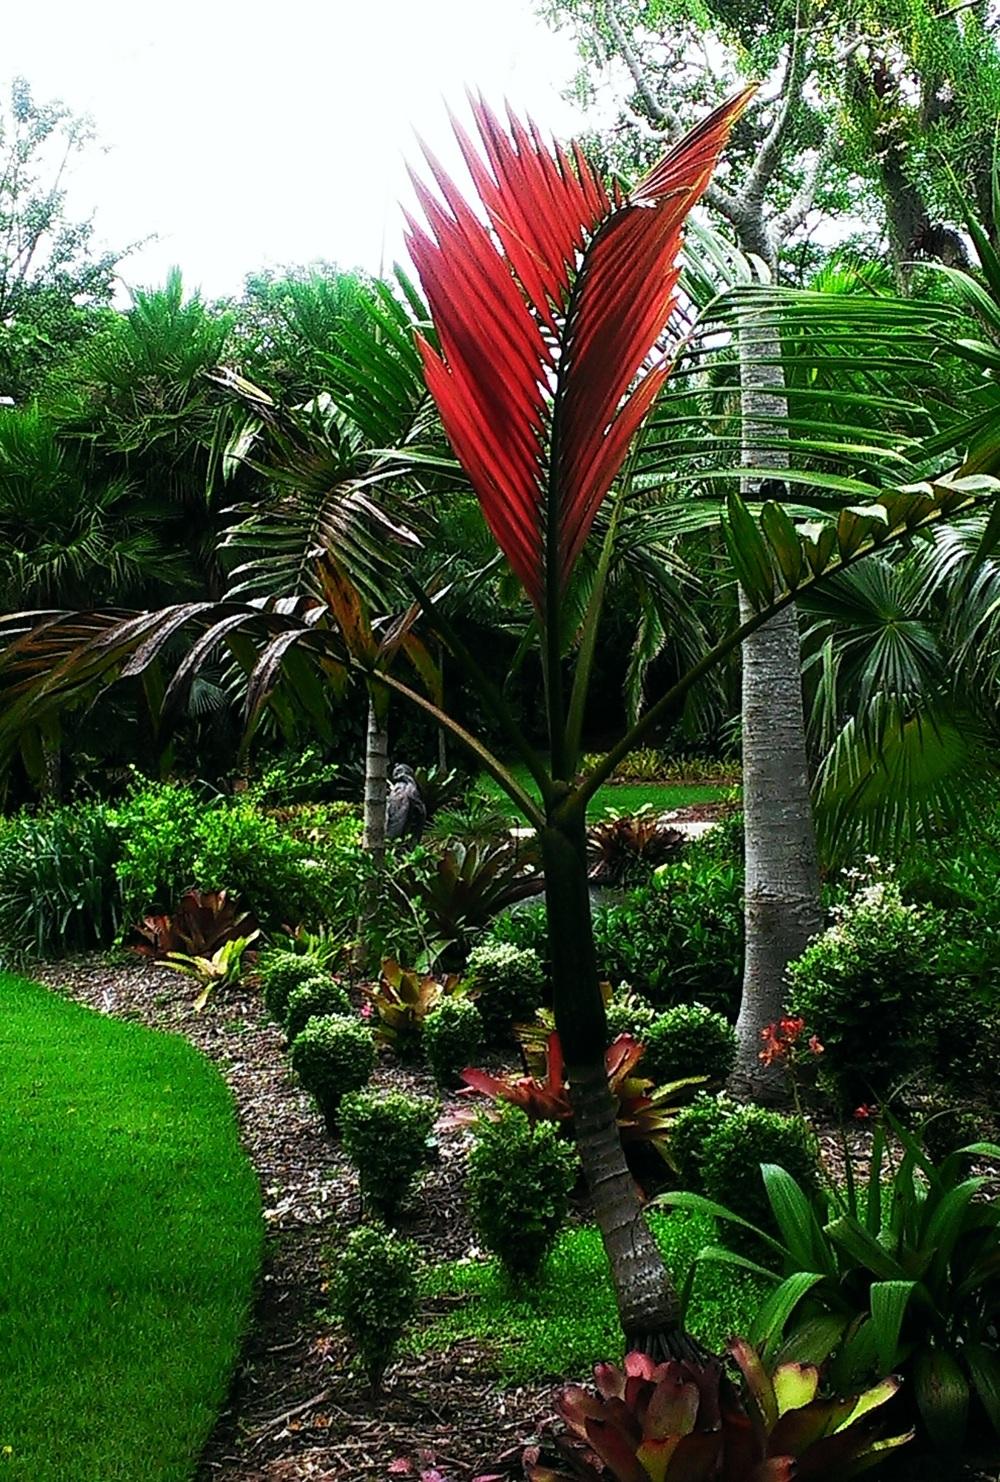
247	134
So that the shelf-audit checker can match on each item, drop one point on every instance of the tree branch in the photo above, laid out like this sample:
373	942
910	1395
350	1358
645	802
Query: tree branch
797	71
669	121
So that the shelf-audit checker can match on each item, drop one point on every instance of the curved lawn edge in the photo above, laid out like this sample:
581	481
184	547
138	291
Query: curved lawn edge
131	1237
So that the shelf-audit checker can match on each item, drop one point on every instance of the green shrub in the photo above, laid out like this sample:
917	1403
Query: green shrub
374	1287
679	938
452	1038
312	999
58	886
629	1013
689	1134
865	987
297	777
281	972
733	1153
385	1134
159	825
689	1040
171	840
517	1186
332	1056
509	983
527	927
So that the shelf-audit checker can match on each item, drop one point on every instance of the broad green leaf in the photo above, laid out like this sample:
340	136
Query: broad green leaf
942	1395
769	1324
984	1366
797	1222
864	1249
748	552
784	541
813	1341
889	1300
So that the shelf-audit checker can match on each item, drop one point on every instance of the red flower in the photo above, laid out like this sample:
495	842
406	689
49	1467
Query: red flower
815	1046
862	1113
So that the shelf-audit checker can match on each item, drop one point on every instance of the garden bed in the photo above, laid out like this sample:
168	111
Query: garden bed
295	1409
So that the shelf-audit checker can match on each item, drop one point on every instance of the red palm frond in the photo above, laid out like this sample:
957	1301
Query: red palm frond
547	313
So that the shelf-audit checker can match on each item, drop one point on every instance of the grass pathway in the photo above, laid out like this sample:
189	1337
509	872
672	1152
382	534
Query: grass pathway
130	1239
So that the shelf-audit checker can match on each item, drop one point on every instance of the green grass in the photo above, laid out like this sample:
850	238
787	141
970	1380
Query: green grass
130	1240
568	1323
621	797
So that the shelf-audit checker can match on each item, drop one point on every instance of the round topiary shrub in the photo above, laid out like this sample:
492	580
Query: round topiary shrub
316	997
864	988
509	983
281	972
689	1040
733	1153
690	1131
374	1289
453	1038
629	1013
332	1056
385	1134
517	1187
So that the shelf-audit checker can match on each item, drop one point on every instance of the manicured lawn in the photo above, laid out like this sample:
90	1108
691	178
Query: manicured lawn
625	797
569	1323
130	1240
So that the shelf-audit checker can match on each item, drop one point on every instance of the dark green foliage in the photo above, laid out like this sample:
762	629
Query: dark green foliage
689	1040
297	777
906	1255
172	839
689	1134
517	1188
312	999
679	938
281	972
58	888
374	1288
385	1134
332	1056
508	982
527	926
733	1153
865	988
466	886
629	1013
452	1038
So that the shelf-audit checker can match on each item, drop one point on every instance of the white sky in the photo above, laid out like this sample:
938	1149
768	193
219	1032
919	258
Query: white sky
249	134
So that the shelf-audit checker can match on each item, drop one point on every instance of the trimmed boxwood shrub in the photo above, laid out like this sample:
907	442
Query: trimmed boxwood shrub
517	1187
385	1134
733	1152
689	1040
332	1056
453	1037
509	983
312	999
374	1286
281	972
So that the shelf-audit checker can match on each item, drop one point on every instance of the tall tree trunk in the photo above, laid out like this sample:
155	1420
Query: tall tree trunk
782	901
376	784
648	1306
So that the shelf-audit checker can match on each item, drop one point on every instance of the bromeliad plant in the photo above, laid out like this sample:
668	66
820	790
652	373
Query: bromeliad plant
220	970
401	1001
683	1422
550	300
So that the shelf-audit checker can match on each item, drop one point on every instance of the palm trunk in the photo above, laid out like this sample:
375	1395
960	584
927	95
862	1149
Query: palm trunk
782	907
648	1306
376	787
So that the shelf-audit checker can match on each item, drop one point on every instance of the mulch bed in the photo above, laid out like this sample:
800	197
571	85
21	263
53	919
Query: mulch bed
296	1410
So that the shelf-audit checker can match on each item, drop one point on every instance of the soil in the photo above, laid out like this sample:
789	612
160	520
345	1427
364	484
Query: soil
296	1409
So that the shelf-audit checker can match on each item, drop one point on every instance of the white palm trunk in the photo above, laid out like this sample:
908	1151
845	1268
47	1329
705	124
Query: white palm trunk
782	902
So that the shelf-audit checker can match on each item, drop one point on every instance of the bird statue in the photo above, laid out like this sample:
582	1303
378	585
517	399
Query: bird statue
405	812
